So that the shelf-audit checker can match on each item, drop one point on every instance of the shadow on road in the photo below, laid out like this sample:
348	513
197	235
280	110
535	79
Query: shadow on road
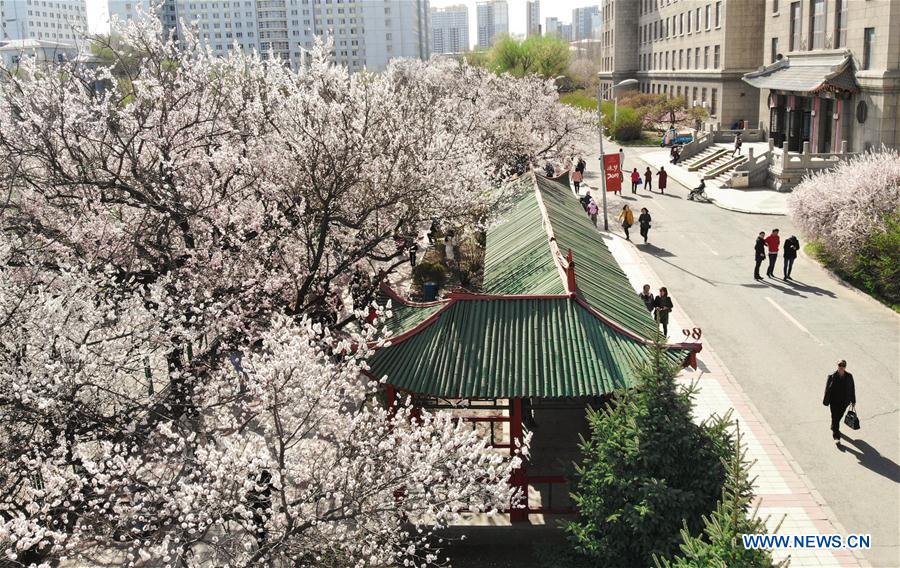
654	250
870	459
753	285
815	290
782	289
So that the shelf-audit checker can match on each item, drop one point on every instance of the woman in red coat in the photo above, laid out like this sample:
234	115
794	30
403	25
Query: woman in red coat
663	178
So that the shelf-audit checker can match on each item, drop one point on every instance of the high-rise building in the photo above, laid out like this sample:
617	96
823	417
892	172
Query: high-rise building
62	21
450	29
680	49
831	75
551	26
532	18
565	32
366	33
582	22
493	20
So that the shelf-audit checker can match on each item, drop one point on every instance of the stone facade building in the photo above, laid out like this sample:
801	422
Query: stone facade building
832	74
696	49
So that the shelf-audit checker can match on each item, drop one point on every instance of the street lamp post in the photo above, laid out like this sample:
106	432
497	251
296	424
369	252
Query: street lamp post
625	83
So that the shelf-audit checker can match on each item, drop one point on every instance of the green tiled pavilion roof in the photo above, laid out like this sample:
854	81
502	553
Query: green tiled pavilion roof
488	347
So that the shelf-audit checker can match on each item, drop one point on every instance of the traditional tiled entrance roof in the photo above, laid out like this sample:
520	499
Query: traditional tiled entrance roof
812	72
549	325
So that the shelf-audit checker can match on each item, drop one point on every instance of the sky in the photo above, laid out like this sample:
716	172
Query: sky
562	9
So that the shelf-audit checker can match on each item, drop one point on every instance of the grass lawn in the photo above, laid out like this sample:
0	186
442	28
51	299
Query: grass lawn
815	251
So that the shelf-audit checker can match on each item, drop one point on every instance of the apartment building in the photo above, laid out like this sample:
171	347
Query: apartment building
59	21
831	75
583	22
366	33
493	20
532	18
450	29
696	49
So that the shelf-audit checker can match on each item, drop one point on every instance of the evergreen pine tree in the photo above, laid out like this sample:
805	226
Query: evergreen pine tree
646	469
720	544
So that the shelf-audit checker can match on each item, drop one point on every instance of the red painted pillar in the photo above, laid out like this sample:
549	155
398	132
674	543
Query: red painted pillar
838	112
517	515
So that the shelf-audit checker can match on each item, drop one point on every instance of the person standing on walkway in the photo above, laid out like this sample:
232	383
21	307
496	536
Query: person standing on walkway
635	180
627	218
760	251
737	144
772	241
790	253
663	179
644	222
648	179
577	178
646	296
621	159
663	305
592	211
840	392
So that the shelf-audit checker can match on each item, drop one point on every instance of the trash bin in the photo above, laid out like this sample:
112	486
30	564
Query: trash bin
429	291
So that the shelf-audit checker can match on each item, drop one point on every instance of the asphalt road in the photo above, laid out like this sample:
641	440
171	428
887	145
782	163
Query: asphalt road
781	340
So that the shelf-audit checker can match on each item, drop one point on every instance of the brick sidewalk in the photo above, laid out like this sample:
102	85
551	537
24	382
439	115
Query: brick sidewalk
783	491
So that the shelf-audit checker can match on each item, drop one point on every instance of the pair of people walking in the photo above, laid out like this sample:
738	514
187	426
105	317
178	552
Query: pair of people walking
660	305
771	245
627	219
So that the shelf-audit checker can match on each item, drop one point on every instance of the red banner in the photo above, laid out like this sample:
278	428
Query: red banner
612	172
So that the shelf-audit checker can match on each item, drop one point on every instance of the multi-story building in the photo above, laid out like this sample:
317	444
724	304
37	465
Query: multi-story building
493	20
532	18
450	29
565	32
13	51
60	21
831	75
366	33
551	26
696	49
583	22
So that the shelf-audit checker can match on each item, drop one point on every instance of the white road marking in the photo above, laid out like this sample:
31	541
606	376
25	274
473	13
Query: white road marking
791	319
709	248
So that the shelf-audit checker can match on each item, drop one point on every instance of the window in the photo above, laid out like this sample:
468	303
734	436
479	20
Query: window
697	58
716	57
774	50
667	60
703	97
694	98
706	57
697	20
719	13
816	24
707	16
688	66
774	6
712	103
688	22
795	26
680	55
840	25
681	24
868	44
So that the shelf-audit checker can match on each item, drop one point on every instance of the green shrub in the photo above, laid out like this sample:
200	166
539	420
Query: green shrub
720	544
580	99
627	125
647	470
429	272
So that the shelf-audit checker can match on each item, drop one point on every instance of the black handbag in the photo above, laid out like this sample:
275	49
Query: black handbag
851	420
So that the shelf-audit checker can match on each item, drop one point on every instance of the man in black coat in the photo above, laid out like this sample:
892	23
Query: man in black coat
760	249
790	253
840	392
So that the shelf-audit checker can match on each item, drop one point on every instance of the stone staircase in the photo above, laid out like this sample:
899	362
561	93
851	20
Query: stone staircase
715	164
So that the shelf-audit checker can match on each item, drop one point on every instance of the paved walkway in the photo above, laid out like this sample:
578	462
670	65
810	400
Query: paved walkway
783	491
759	200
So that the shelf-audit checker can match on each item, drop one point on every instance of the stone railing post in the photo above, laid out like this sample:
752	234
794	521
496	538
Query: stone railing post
750	155
843	146
771	144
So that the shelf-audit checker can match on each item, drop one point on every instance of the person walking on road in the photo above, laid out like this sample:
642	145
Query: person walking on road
627	218
760	251
592	211
580	165
621	159
635	180
663	179
648	180
577	178
644	222
790	253
840	392
646	296
772	241
662	306
737	144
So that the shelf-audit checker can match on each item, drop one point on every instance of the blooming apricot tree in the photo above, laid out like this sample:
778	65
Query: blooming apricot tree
176	240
